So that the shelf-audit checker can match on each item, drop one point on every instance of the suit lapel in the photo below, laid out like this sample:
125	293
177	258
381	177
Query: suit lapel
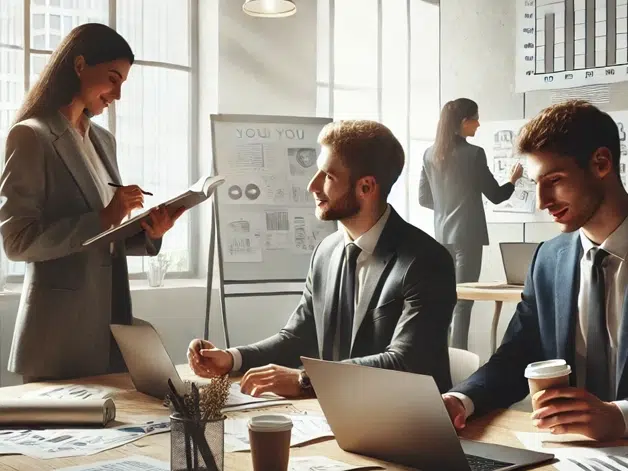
381	257
567	283
68	149
105	153
331	293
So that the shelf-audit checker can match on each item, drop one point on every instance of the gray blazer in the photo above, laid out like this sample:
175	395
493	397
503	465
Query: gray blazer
402	317
71	294
455	191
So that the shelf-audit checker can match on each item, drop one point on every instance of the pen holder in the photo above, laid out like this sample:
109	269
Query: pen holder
196	445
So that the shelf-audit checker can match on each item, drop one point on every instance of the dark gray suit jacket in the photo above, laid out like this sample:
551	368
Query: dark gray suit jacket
71	294
402	317
454	192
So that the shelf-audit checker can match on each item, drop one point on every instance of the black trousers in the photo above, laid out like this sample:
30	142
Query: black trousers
468	262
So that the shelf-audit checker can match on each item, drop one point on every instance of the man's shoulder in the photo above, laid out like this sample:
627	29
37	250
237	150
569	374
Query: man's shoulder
414	243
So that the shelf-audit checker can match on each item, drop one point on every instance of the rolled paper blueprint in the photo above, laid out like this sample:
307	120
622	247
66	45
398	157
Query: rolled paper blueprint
38	411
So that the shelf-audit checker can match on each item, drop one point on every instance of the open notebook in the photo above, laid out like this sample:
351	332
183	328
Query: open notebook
196	194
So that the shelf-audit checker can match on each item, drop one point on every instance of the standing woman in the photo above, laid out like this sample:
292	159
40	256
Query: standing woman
453	179
56	192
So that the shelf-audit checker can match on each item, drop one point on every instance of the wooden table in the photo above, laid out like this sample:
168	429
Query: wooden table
495	428
474	292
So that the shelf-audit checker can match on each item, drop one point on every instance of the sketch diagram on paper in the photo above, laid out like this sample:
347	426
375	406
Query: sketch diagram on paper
301	160
624	151
277	230
258	189
308	231
523	200
241	236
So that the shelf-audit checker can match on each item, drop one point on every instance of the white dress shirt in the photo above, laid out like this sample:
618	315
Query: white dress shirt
367	243
94	163
616	281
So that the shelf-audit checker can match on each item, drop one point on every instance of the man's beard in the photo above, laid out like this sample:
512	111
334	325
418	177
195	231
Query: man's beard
346	207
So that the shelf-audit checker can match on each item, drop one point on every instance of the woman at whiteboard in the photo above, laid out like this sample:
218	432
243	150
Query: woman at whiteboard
454	177
56	194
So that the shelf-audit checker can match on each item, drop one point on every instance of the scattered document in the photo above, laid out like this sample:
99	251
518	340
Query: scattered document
132	463
574	453
70	391
239	401
305	428
321	463
63	443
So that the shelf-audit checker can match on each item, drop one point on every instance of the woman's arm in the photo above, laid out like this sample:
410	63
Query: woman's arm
26	235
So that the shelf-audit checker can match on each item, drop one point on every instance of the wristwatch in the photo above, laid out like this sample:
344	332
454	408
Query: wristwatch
304	382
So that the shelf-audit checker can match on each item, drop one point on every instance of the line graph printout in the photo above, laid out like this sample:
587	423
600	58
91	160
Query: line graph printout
571	43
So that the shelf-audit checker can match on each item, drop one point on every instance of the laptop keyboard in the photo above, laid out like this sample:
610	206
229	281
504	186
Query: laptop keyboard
478	463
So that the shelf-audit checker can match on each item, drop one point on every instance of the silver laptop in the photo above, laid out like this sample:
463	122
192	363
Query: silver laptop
516	258
147	360
400	418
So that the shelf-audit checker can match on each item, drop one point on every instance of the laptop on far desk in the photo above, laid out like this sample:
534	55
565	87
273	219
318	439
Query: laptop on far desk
516	258
401	418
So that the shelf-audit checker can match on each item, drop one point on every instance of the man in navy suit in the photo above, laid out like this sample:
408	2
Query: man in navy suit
574	300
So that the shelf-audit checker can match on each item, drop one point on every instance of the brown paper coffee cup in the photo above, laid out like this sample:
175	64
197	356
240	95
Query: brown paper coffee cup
547	374
269	436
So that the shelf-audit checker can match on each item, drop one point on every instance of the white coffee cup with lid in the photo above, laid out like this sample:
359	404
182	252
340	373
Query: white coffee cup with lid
547	374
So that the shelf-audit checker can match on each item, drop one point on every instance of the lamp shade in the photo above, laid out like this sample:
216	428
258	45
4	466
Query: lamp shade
269	8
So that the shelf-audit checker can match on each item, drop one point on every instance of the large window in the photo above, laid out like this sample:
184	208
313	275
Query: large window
155	123
380	60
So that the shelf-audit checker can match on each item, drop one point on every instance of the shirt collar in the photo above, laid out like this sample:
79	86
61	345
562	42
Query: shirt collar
85	121
615	244
368	241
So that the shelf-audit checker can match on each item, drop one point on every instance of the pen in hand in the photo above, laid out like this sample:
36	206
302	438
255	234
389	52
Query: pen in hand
120	186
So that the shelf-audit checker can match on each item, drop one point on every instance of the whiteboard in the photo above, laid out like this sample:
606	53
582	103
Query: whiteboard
266	220
497	138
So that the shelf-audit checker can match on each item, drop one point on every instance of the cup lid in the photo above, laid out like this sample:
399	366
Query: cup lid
547	369
270	423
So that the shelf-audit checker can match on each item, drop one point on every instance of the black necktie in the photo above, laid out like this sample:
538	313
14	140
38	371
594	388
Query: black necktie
346	304
598	360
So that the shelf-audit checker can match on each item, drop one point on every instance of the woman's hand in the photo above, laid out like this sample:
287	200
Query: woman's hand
125	200
160	221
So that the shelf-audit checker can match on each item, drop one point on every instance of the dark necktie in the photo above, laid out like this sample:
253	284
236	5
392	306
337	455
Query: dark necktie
598	360
346	304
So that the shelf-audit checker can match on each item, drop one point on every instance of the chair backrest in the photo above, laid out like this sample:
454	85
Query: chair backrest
462	364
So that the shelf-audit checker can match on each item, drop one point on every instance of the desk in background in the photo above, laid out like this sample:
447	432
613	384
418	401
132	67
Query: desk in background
473	292
495	428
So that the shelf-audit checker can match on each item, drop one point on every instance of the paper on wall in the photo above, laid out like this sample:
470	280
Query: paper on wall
241	235
308	230
305	428
131	463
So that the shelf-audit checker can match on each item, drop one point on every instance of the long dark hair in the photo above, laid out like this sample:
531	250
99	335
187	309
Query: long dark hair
58	83
451	117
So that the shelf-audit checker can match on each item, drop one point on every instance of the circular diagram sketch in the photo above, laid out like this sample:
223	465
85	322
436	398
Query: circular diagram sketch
235	192
252	191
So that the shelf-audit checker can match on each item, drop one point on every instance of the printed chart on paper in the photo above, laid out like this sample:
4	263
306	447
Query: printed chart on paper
571	43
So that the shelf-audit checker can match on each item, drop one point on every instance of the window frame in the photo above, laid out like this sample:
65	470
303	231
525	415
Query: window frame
194	239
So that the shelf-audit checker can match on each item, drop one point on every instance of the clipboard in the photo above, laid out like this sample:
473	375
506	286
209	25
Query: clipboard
193	196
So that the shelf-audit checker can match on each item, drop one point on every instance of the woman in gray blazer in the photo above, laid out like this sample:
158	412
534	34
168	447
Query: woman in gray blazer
454	177
56	194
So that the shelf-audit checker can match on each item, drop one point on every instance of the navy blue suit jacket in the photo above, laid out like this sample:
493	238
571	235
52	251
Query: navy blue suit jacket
542	328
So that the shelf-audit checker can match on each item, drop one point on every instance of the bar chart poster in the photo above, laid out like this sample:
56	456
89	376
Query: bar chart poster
571	43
